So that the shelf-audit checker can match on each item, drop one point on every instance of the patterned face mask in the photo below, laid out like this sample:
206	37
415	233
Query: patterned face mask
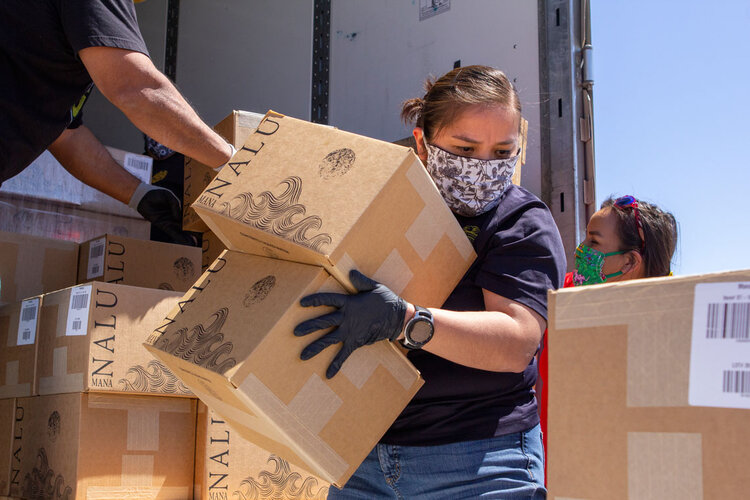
468	185
589	263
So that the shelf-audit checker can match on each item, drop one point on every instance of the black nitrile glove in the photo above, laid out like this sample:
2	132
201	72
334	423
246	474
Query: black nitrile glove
161	208
373	314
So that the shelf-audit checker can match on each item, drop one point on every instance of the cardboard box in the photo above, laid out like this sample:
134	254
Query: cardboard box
65	222
228	466
7	412
235	129
91	339
31	266
144	263
309	193
104	446
649	389
211	248
231	343
19	328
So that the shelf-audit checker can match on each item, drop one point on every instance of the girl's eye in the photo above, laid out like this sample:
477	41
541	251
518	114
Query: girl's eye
466	149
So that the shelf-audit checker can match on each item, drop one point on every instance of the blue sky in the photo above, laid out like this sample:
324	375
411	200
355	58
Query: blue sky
672	108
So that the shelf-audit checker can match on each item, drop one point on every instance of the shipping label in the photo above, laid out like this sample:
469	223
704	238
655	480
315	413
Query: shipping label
95	266
720	348
27	323
78	311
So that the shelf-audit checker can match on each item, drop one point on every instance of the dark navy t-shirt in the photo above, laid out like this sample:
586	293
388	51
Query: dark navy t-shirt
520	256
42	76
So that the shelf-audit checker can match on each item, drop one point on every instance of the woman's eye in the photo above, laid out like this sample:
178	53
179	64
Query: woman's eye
502	154
465	149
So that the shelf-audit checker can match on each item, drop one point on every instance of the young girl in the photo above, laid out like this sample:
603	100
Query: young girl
626	239
473	428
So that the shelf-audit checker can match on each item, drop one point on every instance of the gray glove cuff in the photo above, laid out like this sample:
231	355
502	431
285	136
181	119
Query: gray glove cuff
234	152
138	195
141	191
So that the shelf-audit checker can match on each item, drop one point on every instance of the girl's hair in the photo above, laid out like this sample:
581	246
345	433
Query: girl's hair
453	92
659	234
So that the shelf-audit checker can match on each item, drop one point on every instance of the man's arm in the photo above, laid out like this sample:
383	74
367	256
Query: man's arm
81	153
131	82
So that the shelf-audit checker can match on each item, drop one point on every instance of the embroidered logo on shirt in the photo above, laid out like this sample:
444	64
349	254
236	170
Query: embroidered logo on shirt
471	232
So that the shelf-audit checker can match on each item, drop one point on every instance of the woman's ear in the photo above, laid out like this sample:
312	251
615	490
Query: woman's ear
419	139
633	267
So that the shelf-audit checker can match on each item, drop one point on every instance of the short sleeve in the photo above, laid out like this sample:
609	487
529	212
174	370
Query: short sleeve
525	258
102	23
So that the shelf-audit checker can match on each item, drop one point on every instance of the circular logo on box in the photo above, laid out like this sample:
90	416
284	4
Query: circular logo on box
183	268
259	291
166	286
336	163
53	426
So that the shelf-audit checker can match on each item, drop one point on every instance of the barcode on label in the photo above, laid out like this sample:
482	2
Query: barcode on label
137	163
728	321
26	335
76	325
94	270
79	301
96	251
28	314
736	381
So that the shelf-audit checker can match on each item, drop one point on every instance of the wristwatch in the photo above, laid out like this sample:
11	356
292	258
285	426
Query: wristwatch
418	330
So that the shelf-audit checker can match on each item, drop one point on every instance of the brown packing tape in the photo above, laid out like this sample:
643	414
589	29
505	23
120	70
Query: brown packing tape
665	465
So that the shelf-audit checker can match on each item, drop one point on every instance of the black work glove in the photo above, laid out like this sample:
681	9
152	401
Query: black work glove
373	314
161	208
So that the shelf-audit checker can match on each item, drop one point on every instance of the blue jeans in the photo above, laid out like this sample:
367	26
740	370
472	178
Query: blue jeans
507	467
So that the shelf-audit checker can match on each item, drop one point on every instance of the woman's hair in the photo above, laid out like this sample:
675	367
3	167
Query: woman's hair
659	234
453	92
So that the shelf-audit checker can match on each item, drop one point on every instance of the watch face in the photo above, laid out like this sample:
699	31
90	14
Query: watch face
421	331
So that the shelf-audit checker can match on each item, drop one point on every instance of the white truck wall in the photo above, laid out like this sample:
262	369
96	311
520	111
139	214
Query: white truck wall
381	53
257	55
253	55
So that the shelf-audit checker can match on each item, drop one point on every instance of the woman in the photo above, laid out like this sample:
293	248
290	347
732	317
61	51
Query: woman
473	428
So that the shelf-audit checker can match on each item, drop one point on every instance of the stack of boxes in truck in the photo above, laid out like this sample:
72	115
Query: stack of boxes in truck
45	200
299	206
86	412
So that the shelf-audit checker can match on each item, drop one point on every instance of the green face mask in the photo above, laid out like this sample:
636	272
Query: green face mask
589	263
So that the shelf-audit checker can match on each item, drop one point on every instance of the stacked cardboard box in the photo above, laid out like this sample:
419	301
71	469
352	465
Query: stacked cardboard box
143	263
649	389
31	265
228	466
298	206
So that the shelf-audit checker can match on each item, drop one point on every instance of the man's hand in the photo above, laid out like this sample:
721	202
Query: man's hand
373	314
161	208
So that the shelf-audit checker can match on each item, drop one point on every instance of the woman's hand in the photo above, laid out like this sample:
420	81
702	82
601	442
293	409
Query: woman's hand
373	314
